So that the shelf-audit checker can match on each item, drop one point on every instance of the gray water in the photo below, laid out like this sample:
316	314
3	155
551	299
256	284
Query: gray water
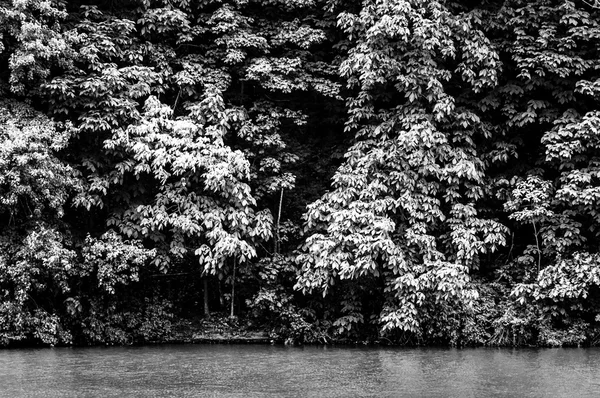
277	371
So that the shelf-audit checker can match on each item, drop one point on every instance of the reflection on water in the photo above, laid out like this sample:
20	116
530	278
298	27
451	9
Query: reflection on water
276	371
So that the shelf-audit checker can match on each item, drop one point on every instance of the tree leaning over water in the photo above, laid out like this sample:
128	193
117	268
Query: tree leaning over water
163	154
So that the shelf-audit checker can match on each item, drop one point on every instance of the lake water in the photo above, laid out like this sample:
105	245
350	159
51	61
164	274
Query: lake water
279	371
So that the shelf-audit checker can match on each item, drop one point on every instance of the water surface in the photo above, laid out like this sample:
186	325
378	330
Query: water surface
278	371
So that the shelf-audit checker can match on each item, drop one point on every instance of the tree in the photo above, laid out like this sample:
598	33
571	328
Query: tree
404	206
36	259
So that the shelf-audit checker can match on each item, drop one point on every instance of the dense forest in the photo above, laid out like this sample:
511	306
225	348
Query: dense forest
401	171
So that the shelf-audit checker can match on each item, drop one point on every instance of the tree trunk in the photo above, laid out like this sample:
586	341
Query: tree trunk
231	312
222	304
206	308
277	238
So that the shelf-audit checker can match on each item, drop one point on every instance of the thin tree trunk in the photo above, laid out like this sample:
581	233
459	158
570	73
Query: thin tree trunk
276	251
537	244
221	299
231	312
206	308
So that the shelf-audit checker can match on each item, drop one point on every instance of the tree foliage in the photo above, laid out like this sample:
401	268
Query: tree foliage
417	171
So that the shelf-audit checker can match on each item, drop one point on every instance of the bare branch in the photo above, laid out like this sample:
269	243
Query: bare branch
595	4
